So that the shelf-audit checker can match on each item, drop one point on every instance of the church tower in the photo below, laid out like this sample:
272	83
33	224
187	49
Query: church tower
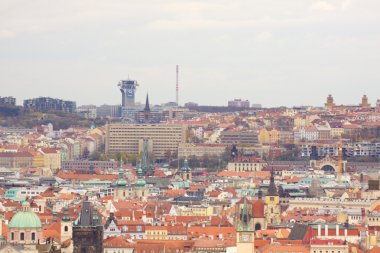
88	231
66	225
245	236
140	189
186	171
272	208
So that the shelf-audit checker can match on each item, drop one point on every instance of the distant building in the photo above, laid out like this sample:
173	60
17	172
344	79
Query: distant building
147	115
239	103
46	104
246	164
364	103
378	106
191	104
87	111
239	137
122	137
128	90
7	101
16	159
329	102
108	111
83	164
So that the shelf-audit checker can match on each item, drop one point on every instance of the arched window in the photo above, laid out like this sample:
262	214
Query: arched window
66	228
22	236
33	236
12	236
257	226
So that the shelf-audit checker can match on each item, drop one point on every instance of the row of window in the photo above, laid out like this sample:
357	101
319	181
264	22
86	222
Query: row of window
22	236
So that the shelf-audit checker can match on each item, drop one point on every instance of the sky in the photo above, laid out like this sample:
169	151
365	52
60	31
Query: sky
271	52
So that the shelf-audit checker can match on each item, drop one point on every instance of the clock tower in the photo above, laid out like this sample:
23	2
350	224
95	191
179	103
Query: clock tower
245	236
272	209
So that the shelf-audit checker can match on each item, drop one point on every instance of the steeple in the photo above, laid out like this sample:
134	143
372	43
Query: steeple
147	108
272	190
244	217
140	181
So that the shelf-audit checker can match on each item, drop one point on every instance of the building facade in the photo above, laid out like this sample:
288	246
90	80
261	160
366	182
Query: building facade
126	137
46	104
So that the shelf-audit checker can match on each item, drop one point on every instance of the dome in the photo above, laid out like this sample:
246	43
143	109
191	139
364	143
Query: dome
25	220
121	181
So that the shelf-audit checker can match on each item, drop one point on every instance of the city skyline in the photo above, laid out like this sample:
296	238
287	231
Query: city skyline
274	54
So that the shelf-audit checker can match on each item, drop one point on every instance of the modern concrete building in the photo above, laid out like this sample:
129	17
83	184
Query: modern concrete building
46	104
239	137
7	100
128	90
122	137
238	103
87	111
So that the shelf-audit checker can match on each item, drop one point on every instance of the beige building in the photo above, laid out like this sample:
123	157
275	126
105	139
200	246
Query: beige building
246	164
269	135
127	137
199	150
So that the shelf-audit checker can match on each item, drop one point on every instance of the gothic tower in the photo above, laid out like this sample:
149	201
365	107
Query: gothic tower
88	231
245	237
272	208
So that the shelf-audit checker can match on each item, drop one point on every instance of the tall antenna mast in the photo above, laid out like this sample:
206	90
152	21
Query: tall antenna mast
176	86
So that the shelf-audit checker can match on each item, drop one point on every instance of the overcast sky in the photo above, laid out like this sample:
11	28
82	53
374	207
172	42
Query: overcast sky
272	52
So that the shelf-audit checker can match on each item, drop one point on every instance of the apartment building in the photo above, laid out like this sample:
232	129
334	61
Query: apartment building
121	137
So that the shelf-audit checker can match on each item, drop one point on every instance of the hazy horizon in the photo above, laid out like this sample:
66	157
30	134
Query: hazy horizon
273	53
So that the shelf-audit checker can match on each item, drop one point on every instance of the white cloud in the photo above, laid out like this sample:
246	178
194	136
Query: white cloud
323	6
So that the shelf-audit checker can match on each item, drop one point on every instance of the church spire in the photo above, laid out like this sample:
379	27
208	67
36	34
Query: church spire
147	108
272	190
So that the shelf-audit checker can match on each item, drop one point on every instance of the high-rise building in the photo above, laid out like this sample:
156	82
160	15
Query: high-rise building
122	137
7	101
46	104
88	231
128	90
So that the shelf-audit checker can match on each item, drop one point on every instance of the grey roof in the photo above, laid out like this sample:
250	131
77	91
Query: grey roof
298	231
86	214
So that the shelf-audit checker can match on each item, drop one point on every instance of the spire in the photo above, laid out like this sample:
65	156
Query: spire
272	190
147	108
140	181
244	217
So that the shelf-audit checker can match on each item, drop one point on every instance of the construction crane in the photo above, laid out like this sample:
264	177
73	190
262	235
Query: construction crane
338	145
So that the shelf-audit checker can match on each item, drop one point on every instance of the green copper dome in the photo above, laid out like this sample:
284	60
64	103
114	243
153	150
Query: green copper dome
25	219
121	180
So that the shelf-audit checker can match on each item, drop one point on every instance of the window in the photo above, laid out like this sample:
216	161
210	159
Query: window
33	236
12	236
66	228
22	236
